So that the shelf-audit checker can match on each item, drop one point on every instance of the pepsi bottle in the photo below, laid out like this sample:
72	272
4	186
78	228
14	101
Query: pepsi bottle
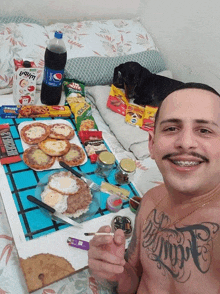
55	61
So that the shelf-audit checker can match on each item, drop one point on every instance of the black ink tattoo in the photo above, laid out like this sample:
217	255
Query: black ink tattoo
133	242
171	249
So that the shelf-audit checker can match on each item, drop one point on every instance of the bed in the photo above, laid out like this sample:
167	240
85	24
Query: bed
91	45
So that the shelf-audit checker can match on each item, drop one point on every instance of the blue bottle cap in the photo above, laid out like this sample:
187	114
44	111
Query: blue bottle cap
58	35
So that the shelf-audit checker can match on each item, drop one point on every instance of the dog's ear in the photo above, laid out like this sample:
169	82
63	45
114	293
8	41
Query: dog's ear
117	78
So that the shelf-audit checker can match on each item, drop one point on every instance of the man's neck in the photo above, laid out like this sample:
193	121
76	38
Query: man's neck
181	197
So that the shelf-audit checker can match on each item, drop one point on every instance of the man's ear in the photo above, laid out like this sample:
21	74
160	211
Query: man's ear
151	143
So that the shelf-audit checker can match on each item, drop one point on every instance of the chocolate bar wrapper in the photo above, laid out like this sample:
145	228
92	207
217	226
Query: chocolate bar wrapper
44	111
8	149
9	111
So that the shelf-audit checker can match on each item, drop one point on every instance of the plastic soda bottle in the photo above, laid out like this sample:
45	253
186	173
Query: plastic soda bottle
55	60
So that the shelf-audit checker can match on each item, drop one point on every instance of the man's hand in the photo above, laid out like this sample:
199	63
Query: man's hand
106	254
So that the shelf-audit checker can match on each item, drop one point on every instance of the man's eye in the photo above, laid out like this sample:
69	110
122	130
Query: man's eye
205	131
170	129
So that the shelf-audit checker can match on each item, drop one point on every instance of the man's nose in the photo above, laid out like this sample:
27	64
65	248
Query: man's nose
186	140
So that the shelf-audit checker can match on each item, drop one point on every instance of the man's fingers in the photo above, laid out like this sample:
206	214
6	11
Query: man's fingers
105	267
106	256
119	237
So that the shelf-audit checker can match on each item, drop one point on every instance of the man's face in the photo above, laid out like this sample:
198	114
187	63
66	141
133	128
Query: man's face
186	142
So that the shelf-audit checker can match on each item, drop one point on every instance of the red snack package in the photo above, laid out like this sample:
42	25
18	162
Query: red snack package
117	101
8	149
93	143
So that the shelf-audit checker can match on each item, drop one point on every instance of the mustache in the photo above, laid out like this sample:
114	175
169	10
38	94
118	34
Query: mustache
195	154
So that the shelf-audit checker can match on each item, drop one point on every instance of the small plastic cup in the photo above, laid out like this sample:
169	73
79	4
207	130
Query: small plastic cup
133	203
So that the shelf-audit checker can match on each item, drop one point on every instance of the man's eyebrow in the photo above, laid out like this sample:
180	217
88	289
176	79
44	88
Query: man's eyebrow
204	121
199	121
172	120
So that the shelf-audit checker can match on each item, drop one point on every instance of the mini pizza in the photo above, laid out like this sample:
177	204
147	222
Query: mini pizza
34	133
61	131
54	147
36	159
75	156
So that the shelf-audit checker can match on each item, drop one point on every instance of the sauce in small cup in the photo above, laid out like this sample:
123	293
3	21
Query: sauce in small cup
133	204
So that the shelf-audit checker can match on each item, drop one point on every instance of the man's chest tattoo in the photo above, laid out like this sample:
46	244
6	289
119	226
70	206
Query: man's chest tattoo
174	250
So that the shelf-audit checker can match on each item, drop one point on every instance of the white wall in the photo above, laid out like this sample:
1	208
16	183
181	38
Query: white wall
188	34
68	10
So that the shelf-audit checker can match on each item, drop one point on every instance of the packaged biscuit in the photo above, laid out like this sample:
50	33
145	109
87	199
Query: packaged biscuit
117	100
148	118
9	111
44	111
134	115
93	143
73	88
83	116
8	149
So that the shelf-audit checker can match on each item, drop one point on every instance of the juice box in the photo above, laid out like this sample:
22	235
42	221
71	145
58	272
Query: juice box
24	82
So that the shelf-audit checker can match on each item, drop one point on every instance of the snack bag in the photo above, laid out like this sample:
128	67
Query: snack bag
93	143
73	89
83	116
148	118
117	101
134	115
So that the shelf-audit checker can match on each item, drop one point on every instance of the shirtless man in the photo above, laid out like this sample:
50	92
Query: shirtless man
175	248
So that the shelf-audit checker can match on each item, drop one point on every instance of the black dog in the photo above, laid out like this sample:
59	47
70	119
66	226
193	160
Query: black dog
141	85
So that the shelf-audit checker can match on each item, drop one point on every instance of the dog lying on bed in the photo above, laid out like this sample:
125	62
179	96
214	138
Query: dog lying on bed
141	85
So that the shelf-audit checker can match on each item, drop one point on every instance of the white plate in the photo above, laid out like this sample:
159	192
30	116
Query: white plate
74	140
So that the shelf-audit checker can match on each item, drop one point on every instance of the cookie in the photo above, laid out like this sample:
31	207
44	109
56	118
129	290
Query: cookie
44	269
75	156
61	131
36	159
54	147
34	133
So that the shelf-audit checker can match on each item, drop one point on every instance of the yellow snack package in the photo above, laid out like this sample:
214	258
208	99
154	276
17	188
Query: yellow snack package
134	115
149	118
83	116
117	100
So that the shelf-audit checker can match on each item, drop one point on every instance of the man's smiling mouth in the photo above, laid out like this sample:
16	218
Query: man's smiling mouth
185	163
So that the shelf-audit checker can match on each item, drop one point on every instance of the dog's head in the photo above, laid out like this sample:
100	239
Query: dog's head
127	76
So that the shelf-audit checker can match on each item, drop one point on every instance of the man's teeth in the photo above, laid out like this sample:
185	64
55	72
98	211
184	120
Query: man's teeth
186	163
